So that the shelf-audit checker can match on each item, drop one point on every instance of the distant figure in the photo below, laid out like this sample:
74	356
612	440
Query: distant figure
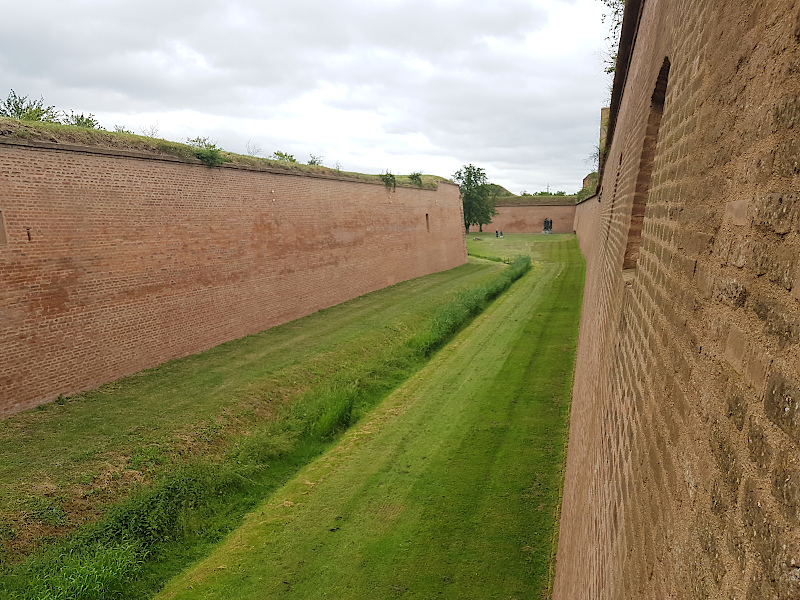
501	234
495	233
548	226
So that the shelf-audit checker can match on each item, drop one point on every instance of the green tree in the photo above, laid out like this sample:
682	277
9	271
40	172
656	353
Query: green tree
25	109
615	10
476	196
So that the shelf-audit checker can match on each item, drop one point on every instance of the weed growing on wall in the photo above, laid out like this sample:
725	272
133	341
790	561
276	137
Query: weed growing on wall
283	157
206	151
389	180
80	120
416	178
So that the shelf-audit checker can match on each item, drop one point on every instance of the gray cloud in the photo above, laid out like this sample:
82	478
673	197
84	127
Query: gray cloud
456	72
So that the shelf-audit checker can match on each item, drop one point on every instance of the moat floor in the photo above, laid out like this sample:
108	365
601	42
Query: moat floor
451	487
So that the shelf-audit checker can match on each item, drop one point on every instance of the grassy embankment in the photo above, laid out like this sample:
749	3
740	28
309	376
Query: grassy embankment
451	487
39	131
111	492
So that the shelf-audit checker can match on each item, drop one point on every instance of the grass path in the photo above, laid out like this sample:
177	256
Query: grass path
122	487
450	487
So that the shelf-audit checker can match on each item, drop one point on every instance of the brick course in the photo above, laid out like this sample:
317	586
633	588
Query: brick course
134	260
682	475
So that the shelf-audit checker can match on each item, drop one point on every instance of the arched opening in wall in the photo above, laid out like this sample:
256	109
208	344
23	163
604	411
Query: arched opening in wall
2	229
427	222
614	197
645	173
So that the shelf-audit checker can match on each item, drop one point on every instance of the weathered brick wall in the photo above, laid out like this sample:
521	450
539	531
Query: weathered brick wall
587	214
530	219
683	470
134	261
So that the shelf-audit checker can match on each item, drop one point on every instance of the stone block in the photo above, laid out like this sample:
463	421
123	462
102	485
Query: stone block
778	322
756	370
731	291
739	253
796	283
705	281
735	347
782	267
727	460
735	545
758	446
786	113
758	525
736	213
782	404
736	407
786	485
775	212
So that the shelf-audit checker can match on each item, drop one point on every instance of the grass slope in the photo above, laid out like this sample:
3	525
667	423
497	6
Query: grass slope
38	131
450	487
168	460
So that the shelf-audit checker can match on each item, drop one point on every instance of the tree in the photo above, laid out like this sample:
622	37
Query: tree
613	17
476	196
21	107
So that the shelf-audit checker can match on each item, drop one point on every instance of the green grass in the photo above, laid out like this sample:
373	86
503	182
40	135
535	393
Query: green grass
451	487
151	471
71	134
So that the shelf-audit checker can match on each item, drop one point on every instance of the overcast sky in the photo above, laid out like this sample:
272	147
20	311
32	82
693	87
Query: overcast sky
512	86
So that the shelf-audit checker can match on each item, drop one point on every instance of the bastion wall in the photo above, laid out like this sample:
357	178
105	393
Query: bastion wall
683	468
516	218
112	262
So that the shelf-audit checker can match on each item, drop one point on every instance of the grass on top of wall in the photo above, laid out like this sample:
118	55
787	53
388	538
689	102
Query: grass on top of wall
83	136
113	491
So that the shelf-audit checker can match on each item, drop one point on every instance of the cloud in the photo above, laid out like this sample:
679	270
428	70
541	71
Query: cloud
513	86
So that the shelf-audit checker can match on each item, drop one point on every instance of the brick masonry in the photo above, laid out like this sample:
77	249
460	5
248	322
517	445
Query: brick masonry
134	260
683	469
530	219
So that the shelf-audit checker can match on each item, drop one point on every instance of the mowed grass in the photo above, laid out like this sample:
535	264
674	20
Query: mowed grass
451	487
177	454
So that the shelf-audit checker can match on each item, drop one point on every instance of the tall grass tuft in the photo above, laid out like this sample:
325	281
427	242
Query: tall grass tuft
449	318
78	574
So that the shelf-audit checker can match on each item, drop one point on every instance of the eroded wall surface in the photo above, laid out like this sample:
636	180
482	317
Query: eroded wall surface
530	219
135	261
683	469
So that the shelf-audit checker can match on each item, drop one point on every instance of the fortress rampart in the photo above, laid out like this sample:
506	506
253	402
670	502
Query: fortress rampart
683	470
519	218
112	262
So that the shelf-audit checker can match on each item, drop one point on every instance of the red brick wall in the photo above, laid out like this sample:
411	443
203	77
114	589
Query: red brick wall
587	214
683	470
530	219
134	261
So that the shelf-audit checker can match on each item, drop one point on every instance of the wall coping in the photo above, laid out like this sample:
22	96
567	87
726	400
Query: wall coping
627	42
514	204
592	197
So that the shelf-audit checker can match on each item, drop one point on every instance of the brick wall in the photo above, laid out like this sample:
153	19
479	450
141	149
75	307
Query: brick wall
683	470
133	261
530	219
